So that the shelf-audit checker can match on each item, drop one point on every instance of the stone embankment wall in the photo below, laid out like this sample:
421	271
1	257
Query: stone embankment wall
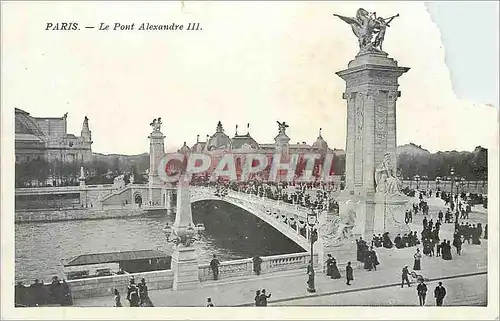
68	214
104	286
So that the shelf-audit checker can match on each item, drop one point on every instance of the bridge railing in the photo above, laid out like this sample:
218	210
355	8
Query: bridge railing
252	198
270	264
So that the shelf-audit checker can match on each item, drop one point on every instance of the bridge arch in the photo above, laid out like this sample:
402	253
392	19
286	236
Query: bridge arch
269	214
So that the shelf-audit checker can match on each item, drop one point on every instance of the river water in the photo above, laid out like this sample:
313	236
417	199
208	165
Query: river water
230	232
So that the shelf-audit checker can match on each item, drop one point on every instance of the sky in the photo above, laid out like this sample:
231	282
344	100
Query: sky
475	41
252	62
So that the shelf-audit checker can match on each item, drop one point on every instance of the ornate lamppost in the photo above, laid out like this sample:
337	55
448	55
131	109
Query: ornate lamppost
312	220
452	174
183	234
417	178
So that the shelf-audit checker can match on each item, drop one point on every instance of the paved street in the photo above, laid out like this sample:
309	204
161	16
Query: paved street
465	291
289	288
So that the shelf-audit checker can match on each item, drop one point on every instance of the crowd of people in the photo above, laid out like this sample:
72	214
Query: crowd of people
366	254
137	294
38	293
295	193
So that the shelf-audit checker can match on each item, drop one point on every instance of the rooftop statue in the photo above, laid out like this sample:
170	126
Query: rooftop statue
282	127
156	124
369	29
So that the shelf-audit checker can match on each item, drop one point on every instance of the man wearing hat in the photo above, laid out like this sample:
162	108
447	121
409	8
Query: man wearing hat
404	276
422	292
132	293
439	294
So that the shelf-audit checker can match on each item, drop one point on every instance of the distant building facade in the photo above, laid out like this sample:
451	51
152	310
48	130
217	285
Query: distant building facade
47	138
241	145
245	143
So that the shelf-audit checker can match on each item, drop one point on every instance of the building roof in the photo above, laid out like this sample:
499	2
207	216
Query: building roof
219	139
113	257
239	140
198	147
184	149
25	124
300	146
320	143
27	138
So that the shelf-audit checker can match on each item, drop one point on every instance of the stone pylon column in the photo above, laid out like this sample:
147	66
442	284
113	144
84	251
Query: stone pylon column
169	201
156	153
184	257
83	189
371	94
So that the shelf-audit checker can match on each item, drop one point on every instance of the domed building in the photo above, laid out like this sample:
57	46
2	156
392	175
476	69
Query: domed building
320	145
245	143
47	138
219	140
184	149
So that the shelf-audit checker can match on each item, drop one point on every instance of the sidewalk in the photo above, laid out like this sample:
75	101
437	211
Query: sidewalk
292	285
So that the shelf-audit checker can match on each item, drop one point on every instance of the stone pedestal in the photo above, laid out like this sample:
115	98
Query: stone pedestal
83	193
371	94
185	268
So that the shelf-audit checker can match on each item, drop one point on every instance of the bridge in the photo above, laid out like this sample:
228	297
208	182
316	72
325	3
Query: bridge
288	219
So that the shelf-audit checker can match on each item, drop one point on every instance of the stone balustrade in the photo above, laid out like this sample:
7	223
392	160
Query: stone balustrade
270	264
163	279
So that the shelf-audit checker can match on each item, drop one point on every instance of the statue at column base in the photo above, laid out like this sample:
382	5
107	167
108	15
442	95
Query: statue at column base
339	228
385	180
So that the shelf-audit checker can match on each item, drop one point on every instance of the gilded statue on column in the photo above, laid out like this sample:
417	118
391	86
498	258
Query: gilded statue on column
369	29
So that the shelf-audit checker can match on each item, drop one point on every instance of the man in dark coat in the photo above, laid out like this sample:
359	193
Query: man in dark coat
132	293
214	265
349	273
422	292
131	288
404	276
439	294
257	261
360	249
398	242
263	298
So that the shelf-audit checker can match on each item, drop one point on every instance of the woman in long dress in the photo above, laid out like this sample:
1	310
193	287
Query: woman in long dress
335	273
417	256
374	258
447	251
329	265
